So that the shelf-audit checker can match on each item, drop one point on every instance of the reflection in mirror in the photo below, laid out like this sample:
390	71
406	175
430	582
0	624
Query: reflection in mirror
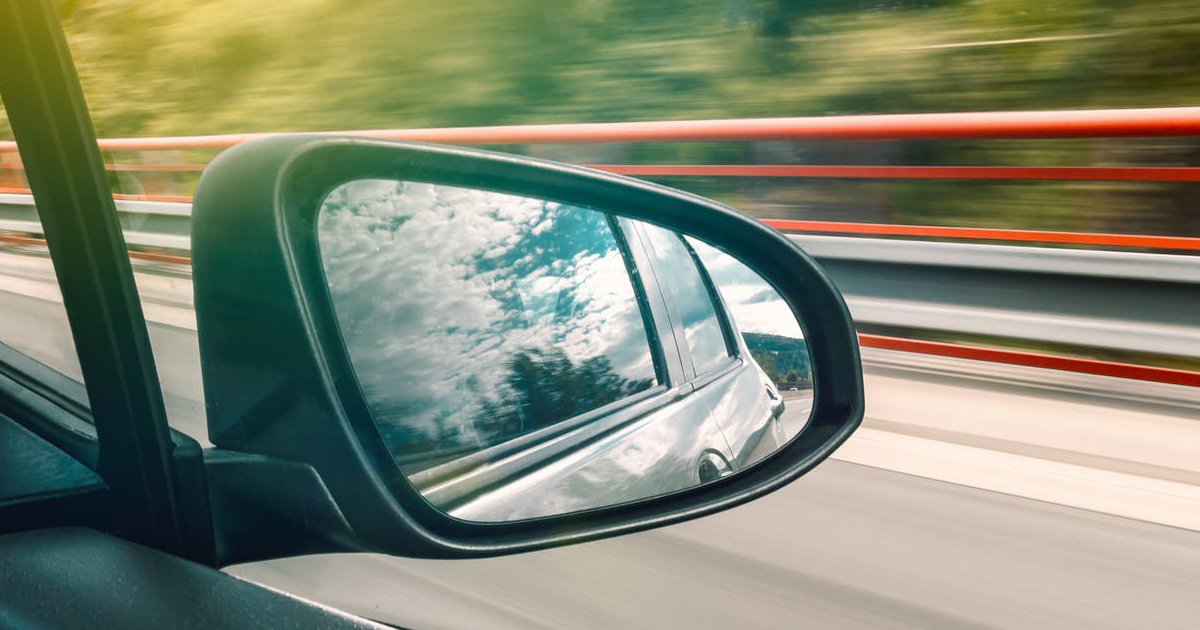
525	358
771	333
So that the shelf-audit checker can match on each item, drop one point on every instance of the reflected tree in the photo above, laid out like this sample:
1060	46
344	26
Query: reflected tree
784	359
543	386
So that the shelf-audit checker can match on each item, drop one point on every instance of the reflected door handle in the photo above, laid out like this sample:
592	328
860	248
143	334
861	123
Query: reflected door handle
777	404
713	466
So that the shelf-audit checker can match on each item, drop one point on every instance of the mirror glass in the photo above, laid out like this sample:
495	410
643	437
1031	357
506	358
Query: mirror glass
526	358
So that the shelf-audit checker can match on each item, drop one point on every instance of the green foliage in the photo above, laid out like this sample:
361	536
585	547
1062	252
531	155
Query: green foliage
767	363
182	67
784	359
177	67
546	387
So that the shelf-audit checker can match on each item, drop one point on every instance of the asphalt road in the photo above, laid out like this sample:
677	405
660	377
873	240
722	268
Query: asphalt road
848	546
33	321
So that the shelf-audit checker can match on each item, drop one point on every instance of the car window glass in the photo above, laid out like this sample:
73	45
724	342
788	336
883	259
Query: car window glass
681	279
472	318
33	321
755	305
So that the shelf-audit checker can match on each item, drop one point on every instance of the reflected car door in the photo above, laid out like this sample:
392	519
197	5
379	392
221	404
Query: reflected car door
726	379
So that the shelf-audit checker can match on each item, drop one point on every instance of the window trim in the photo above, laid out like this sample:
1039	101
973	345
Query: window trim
718	302
492	469
52	405
637	281
656	303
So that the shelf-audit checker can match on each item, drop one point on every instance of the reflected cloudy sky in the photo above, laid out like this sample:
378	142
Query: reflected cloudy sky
756	306
681	279
438	288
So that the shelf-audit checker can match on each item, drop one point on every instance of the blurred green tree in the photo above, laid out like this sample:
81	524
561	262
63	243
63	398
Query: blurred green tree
177	67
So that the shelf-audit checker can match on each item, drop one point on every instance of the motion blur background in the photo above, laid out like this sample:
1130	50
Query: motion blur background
976	495
181	68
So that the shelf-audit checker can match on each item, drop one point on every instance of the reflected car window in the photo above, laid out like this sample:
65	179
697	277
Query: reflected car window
694	304
771	331
473	317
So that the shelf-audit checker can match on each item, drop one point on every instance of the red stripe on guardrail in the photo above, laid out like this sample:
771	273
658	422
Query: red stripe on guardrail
164	258
1014	357
166	198
122	196
1053	173
156	168
1108	123
990	234
1049	173
17	239
150	168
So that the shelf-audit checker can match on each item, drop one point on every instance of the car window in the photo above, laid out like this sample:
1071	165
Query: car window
33	320
693	301
771	331
754	304
472	318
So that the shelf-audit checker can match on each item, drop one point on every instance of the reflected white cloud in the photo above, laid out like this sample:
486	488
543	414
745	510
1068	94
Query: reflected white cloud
445	295
755	304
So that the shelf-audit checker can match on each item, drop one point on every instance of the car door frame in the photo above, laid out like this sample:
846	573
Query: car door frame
152	474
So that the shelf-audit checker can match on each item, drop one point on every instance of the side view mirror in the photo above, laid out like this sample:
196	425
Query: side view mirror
444	352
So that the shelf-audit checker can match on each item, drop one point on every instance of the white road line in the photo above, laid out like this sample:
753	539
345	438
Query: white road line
1119	494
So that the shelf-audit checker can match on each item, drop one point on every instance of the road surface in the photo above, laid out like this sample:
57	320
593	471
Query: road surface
845	547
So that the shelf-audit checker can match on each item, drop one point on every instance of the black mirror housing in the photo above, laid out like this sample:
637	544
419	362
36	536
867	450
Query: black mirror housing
280	388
